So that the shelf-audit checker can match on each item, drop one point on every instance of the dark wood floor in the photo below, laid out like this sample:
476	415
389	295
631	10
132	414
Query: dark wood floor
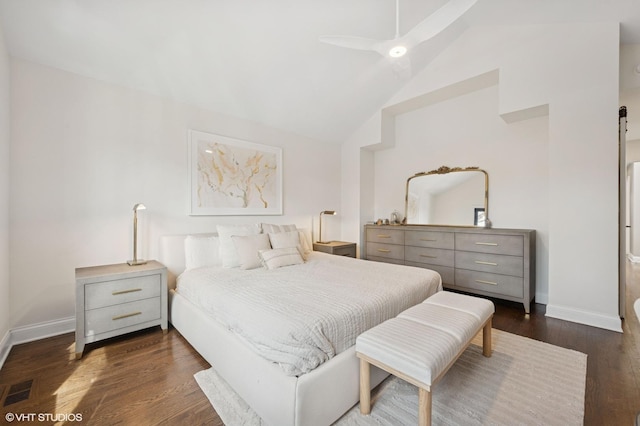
147	377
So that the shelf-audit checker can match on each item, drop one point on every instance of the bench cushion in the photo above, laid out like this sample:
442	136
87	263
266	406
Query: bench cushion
419	352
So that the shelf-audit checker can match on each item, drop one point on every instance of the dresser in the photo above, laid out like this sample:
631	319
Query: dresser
116	299
492	262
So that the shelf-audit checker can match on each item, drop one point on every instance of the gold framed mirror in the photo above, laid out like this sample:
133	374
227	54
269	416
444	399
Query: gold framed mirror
448	196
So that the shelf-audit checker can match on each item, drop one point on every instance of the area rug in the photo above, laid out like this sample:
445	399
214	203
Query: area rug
525	382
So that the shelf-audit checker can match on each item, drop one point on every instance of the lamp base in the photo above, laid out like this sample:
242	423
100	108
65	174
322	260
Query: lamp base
136	262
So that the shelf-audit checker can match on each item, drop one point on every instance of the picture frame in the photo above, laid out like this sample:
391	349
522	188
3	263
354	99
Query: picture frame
231	177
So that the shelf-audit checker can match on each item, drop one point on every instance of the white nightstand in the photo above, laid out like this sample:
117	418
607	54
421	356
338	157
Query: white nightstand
116	299
340	248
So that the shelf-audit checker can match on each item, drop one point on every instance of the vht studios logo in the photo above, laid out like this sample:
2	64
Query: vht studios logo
42	417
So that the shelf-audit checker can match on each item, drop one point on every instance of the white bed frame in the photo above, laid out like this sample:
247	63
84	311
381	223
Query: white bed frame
319	397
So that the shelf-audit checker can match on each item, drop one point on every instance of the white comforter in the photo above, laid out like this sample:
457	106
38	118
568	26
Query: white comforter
301	316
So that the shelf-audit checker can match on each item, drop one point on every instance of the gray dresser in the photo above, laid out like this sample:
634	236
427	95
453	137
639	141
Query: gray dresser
497	263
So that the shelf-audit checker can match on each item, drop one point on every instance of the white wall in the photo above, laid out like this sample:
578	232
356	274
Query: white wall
569	72
4	195
84	152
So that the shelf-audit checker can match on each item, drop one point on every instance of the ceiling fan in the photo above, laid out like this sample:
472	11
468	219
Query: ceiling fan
431	26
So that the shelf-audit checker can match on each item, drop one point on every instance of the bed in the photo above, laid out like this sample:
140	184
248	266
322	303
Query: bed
320	384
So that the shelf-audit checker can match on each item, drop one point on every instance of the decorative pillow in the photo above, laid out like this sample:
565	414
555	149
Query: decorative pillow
304	242
248	247
269	228
277	258
228	252
201	251
285	240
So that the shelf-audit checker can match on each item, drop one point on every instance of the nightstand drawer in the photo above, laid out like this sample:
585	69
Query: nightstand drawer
108	293
345	251
119	316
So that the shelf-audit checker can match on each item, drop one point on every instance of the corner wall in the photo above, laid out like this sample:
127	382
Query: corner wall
4	199
568	72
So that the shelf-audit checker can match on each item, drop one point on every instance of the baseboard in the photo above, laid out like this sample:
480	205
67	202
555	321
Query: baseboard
29	333
613	323
5	347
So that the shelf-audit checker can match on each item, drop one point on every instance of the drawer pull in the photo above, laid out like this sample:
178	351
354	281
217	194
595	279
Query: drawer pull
486	244
480	262
428	240
429	256
383	236
486	282
132	290
132	314
384	250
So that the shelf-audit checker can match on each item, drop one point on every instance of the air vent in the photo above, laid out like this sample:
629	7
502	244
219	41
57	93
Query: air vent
18	392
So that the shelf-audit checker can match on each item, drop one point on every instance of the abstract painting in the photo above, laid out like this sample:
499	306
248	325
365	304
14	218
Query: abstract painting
234	177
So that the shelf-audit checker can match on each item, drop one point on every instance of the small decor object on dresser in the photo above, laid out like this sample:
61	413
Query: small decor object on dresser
341	248
117	299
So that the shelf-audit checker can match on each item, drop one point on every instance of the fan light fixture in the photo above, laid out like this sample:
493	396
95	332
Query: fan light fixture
397	51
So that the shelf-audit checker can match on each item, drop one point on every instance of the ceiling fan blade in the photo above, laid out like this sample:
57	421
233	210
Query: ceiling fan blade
350	42
438	21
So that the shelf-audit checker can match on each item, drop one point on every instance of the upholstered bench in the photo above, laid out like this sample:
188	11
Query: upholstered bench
423	342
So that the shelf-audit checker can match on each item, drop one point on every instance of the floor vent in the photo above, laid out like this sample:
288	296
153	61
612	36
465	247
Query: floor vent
18	392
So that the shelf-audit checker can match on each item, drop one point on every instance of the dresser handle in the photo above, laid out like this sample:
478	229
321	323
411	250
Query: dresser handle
383	236
428	240
429	256
384	250
132	314
486	282
133	290
480	262
486	244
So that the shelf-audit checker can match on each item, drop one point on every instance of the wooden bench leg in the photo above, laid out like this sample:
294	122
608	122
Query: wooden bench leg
424	407
486	338
365	387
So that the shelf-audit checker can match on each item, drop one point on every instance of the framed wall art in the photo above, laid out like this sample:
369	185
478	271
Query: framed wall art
233	177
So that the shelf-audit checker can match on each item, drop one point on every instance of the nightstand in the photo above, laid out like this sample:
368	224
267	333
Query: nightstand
116	299
341	248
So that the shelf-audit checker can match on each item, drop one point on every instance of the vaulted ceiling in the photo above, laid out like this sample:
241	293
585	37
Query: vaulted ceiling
261	60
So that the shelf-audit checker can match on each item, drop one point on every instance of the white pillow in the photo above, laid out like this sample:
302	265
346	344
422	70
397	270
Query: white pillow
228	252
285	240
304	242
201	251
269	228
248	246
276	258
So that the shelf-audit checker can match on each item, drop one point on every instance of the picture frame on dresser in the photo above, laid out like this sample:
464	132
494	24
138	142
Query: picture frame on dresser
492	262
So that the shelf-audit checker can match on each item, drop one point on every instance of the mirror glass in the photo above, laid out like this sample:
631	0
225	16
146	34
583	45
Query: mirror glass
448	196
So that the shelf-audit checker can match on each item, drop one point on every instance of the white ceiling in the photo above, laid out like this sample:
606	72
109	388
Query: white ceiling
261	59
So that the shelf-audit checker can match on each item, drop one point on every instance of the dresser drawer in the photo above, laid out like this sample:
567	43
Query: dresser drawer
446	272
432	256
493	263
500	285
385	250
114	317
107	293
443	240
386	260
485	243
386	236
